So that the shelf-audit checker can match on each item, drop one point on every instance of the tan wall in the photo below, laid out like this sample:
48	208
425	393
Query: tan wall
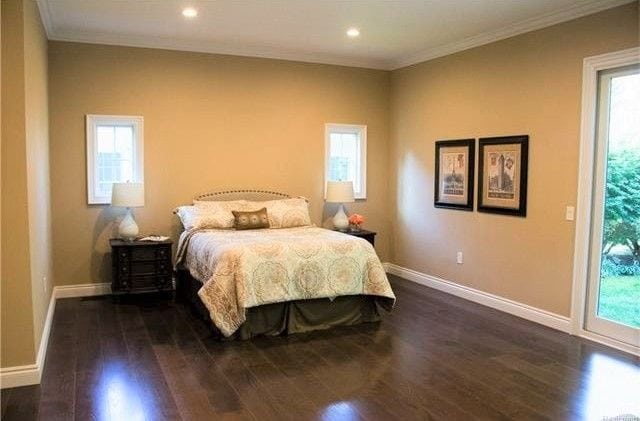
211	122
17	318
37	155
26	227
529	84
25	246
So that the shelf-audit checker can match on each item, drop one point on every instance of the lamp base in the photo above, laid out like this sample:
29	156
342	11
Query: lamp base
128	229
340	220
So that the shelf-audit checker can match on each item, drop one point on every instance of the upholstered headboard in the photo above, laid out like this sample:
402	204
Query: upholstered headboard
247	194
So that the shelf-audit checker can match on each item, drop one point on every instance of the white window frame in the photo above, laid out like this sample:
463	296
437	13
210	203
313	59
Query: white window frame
361	131
95	120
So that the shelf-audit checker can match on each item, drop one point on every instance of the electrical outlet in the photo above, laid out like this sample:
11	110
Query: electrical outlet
570	213
44	284
459	258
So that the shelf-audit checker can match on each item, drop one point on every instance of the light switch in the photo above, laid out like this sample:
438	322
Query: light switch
570	213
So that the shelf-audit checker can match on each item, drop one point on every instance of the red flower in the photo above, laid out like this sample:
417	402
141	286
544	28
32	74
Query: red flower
356	219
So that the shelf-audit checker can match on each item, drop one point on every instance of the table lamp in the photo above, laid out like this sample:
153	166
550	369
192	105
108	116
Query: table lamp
128	195
340	192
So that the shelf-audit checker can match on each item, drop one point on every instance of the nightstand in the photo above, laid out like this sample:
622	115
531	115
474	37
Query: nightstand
370	236
141	265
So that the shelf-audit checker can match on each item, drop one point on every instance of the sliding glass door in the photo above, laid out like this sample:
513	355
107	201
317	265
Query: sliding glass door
613	301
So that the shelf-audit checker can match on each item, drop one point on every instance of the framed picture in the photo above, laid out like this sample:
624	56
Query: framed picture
502	173
455	166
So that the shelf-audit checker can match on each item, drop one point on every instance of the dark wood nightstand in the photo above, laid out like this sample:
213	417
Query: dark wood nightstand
141	265
370	236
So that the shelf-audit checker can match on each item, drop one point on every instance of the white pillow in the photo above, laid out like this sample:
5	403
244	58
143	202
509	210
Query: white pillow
284	213
205	216
229	205
187	215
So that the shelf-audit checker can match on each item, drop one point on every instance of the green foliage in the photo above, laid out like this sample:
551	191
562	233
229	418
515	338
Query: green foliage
619	298
623	187
613	266
622	210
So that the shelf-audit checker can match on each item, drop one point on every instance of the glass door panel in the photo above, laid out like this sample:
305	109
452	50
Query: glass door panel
614	275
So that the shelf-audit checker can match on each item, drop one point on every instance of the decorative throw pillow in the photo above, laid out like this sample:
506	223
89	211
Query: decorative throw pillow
251	220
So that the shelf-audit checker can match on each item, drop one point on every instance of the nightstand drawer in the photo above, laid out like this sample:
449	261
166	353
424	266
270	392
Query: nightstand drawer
145	268
145	282
142	268
142	253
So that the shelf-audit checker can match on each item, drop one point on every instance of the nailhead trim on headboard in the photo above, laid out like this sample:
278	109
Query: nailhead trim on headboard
207	196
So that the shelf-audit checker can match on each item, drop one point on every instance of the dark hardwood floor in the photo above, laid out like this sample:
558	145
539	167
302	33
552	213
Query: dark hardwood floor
435	357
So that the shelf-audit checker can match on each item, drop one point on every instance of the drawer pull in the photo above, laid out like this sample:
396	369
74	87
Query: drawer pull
124	268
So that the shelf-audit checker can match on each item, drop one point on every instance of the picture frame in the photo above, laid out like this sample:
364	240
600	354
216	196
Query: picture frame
502	175
454	174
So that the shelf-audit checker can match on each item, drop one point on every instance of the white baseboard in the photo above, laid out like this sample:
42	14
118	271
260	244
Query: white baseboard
82	290
21	375
603	340
26	375
525	311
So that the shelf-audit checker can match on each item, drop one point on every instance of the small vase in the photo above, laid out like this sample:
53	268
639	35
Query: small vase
355	228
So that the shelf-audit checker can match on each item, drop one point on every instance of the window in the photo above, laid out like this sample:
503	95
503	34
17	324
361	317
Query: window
346	156
114	154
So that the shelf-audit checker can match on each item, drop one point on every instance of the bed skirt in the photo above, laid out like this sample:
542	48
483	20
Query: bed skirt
291	316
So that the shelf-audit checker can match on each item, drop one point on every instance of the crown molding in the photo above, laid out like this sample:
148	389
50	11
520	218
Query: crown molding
275	52
509	31
269	52
45	16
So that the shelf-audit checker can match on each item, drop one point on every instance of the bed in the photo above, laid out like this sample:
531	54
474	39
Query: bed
278	280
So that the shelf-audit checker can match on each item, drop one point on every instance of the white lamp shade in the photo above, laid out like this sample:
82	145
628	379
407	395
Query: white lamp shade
128	195
340	192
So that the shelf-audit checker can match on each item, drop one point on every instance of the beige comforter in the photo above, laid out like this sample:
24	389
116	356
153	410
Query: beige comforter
244	269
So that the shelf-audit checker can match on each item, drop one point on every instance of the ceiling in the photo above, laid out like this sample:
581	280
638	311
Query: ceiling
393	33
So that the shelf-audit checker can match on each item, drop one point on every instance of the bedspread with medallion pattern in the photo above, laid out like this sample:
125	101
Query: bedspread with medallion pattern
244	269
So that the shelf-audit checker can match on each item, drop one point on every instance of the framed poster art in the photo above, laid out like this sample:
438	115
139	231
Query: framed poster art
454	173
502	173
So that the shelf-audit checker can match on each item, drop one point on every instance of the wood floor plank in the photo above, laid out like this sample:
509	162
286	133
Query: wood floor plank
462	358
230	367
436	357
189	371
148	392
57	396
4	401
23	404
474	385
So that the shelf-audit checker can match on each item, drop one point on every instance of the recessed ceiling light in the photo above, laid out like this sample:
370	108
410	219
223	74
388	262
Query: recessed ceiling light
353	32
189	12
